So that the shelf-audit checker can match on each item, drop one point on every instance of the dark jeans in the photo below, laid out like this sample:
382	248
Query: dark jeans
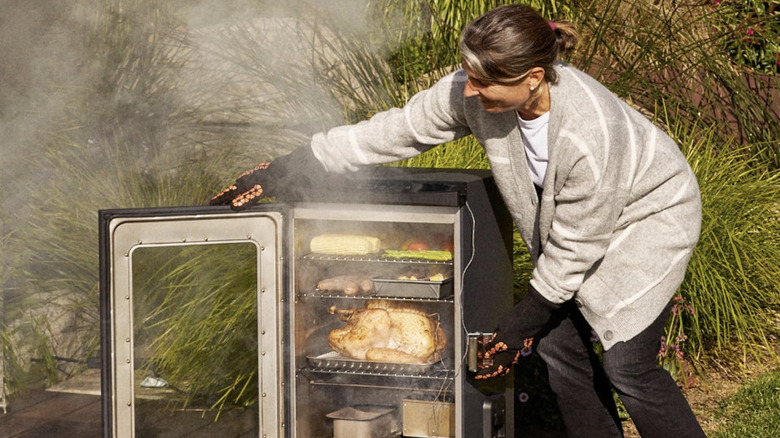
581	382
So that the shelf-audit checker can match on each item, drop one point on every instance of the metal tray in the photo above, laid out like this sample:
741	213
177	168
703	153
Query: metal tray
413	288
365	421
332	361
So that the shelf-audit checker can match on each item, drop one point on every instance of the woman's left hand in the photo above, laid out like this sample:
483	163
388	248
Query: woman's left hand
500	357
502	364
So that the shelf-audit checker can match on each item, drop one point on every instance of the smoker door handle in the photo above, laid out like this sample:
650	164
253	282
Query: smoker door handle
475	347
471	352
494	417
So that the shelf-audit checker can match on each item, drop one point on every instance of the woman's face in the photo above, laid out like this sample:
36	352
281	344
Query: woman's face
496	97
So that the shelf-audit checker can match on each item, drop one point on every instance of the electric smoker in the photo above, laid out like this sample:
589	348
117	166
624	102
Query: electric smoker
353	308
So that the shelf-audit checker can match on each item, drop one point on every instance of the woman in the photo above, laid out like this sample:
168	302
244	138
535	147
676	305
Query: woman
604	200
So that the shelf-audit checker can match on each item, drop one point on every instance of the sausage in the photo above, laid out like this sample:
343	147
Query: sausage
349	284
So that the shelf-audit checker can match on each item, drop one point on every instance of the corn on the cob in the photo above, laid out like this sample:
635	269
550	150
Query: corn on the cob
344	244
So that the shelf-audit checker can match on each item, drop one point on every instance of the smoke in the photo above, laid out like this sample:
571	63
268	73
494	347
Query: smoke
80	78
267	62
57	72
48	61
349	14
39	56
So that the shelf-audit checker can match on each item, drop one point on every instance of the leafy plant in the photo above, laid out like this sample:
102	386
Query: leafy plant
672	355
750	31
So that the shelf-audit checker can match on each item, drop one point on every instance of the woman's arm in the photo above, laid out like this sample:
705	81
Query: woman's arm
431	117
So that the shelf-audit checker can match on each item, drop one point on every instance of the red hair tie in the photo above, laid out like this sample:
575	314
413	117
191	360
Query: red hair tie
552	25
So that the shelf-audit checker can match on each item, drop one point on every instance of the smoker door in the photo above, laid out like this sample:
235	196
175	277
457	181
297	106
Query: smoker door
192	322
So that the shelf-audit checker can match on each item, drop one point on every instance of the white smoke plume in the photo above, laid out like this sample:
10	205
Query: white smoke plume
68	87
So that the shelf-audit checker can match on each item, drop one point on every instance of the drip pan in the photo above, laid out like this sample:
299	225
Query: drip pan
413	288
365	421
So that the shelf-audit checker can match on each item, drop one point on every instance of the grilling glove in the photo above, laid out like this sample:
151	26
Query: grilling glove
270	178
515	333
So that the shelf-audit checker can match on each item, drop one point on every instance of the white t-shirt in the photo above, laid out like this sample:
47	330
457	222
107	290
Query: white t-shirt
535	143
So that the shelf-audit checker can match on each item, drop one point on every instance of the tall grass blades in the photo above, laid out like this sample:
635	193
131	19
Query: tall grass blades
732	277
653	52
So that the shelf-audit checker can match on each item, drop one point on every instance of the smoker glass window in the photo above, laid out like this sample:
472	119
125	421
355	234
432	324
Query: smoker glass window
195	339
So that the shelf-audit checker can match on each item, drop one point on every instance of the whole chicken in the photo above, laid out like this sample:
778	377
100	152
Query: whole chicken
388	331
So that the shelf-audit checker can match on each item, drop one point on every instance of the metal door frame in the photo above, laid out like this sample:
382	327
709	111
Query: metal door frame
125	231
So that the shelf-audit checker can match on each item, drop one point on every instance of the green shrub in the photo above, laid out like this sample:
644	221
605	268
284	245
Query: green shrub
749	32
732	277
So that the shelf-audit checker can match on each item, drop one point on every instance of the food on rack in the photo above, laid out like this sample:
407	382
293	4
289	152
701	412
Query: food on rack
350	285
345	244
388	331
413	277
419	246
420	274
437	241
416	244
444	242
436	255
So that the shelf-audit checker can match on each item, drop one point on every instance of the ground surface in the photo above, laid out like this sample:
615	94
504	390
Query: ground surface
719	381
62	414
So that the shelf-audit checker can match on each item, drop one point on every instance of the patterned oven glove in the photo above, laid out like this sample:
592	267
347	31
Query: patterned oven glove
499	358
246	190
267	178
515	334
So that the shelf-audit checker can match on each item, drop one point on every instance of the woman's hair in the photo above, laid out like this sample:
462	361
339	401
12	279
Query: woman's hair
504	44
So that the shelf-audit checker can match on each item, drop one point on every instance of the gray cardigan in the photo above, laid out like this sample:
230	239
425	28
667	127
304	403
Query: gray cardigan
620	212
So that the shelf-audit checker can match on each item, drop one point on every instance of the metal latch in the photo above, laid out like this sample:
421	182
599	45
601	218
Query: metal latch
475	351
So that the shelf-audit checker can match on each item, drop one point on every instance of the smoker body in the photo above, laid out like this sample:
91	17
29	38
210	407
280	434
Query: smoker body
300	386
